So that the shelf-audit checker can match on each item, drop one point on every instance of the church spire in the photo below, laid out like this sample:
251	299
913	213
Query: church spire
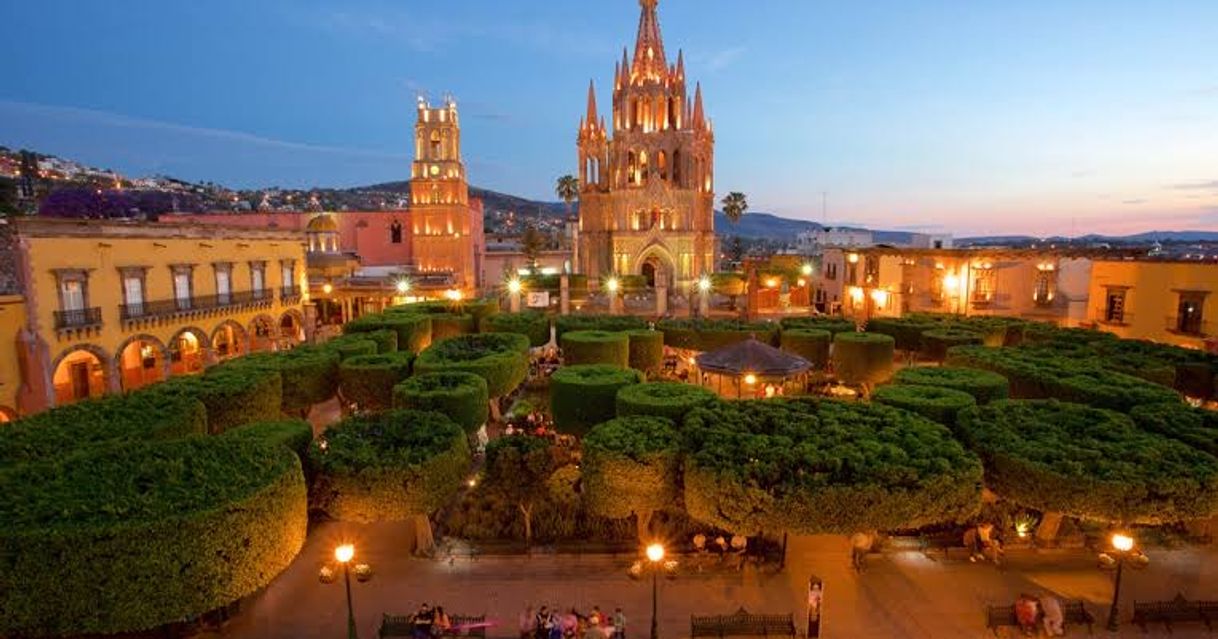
649	61
699	115
592	118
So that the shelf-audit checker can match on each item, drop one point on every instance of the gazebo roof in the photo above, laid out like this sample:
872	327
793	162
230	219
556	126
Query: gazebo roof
752	356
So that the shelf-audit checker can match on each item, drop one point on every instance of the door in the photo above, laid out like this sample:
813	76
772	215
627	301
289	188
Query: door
79	372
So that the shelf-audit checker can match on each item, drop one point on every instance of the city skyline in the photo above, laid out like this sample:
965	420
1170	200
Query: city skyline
1038	119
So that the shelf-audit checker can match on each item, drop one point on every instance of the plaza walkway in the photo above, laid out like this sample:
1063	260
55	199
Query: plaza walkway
901	595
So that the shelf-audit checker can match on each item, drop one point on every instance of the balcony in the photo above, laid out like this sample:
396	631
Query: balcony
1103	317
1192	326
198	303
289	294
78	318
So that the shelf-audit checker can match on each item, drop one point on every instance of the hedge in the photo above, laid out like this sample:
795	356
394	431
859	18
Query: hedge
936	342
670	400
612	323
831	323
984	386
862	358
906	332
460	396
630	466
710	334
499	358
1194	426
817	467
309	374
1043	373
368	380
414	330
388	466
115	418
932	402
233	395
125	539
295	434
811	344
595	347
1088	462
354	345
995	330
386	340
646	350
448	319
586	395
531	324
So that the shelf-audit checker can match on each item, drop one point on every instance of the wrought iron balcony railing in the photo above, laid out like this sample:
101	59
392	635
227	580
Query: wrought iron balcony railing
78	318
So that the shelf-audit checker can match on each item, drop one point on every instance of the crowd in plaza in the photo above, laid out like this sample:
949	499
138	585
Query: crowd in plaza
429	622
552	623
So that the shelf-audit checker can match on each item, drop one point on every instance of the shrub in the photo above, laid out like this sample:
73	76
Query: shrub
115	418
499	358
124	539
831	323
232	395
309	374
811	344
583	396
414	331
460	396
646	350
1088	462
862	358
386	340
296	434
368	380
596	347
1193	426
481	310
531	324
611	323
814	467
906	332
388	466
354	345
630	467
936	342
670	400
984	386
710	334
448	319
932	402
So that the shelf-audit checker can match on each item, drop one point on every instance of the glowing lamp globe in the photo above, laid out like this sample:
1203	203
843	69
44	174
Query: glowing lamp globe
344	553
655	552
1122	542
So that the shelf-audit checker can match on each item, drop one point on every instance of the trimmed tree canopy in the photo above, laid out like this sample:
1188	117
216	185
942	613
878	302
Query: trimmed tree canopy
461	396
499	358
233	395
296	434
830	323
862	358
936	342
612	323
1193	426
354	345
630	466
646	349
414	330
1088	462
711	334
309	373
670	400
583	396
596	347
388	466
531	324
814	467
368	380
984	386
906	332
811	344
933	402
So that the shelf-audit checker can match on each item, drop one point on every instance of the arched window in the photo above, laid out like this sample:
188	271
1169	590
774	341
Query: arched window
435	145
631	168
662	165
395	232
676	167
643	168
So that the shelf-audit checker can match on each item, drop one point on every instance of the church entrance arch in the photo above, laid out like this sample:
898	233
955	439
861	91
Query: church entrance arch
656	266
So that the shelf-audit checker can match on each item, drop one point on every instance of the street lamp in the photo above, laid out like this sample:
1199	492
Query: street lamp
704	284
1122	551
806	270
363	572
403	286
655	554
513	285
612	285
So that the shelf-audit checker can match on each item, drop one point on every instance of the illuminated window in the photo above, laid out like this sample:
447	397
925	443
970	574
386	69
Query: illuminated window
395	232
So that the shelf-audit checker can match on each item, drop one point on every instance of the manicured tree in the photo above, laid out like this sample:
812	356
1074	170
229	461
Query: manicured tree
309	374
646	350
612	323
586	395
670	400
712	334
933	402
995	330
811	344
1088	462
296	434
936	342
123	539
353	345
460	396
499	358
817	467
368	380
984	386
906	332
386	340
1196	427
233	395
729	284
830	323
517	471
531	324
389	466
447	319
595	347
630	467
481	310
862	358
414	330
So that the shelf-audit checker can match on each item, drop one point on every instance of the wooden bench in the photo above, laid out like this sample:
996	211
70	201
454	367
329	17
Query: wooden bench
403	626
1073	613
1178	610
742	624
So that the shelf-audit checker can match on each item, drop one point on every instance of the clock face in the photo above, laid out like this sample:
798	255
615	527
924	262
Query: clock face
435	170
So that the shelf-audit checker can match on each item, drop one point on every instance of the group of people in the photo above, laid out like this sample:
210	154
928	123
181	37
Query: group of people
1031	612
547	623
430	622
544	364
983	543
737	548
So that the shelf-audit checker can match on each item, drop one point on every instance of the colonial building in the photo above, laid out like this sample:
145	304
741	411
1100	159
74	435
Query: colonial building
1170	301
647	185
443	225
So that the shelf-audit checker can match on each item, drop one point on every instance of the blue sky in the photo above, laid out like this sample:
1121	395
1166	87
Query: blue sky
977	116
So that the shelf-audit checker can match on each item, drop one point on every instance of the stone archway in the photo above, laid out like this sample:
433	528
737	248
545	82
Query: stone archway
229	340
189	351
262	332
291	326
7	414
81	372
656	264
141	360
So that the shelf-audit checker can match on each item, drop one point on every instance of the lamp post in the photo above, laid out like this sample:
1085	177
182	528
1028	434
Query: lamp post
704	288
363	572
1122	552
655	554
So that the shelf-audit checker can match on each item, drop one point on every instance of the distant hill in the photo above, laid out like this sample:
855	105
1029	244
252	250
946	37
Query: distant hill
1137	238
759	225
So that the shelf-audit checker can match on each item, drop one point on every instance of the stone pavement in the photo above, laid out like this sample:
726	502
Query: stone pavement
901	595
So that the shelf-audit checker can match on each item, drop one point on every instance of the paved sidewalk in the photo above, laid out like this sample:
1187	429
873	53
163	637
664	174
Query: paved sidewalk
901	595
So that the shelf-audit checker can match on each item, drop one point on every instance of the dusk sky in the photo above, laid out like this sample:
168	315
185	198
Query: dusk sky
969	117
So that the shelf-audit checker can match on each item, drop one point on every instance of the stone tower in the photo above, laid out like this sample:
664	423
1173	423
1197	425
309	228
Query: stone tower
442	233
647	189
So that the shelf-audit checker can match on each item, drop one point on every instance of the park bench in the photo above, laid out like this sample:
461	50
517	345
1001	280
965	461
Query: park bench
1178	610
1073	613
944	541
403	626
742	624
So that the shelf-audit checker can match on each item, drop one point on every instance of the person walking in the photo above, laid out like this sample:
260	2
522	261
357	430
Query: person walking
619	624
860	545
1054	620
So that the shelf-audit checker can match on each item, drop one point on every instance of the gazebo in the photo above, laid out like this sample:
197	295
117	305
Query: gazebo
752	369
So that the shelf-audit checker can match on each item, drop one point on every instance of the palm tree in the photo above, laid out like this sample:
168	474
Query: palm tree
734	206
567	188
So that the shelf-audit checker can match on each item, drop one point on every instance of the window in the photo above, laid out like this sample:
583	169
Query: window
984	283
395	233
1188	313
181	288
133	290
72	294
258	278
224	286
1044	289
287	273
1114	306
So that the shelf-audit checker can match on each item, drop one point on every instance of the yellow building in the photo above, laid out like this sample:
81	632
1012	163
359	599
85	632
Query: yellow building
1173	302
110	306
